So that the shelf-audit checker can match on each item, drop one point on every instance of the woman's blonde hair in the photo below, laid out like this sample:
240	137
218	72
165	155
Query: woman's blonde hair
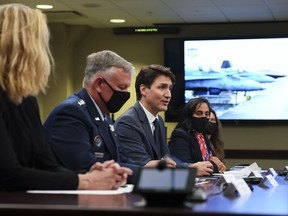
25	56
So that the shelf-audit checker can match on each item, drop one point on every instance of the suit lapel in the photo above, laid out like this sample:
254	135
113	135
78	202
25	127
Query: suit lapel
112	141
147	129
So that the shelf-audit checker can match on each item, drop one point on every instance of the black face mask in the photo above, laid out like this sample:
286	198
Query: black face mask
117	100
200	124
211	128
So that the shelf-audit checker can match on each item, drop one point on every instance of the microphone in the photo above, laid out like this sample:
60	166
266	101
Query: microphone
162	164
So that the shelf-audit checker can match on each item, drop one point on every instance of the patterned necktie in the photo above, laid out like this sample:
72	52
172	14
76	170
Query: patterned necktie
203	147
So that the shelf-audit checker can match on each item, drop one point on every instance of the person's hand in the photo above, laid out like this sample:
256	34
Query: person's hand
122	173
101	166
105	179
154	163
220	165
204	168
118	179
170	162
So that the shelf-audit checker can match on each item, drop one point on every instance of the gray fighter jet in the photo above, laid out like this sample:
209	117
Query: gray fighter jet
213	82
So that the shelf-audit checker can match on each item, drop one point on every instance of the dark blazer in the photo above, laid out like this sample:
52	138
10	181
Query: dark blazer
184	146
26	160
78	136
135	137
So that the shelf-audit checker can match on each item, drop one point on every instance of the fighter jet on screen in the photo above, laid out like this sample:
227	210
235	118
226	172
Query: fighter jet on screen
272	74
213	82
261	78
227	87
227	78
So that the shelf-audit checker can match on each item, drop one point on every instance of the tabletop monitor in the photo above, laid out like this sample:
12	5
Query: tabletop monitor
168	180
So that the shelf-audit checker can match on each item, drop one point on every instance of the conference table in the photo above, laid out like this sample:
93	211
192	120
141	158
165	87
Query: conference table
262	201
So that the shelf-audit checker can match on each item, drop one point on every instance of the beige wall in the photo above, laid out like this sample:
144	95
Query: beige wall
72	44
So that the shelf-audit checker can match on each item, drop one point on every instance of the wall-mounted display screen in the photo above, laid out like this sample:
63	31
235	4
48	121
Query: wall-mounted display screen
245	79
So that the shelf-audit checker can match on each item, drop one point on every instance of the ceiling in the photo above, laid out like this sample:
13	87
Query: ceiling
143	13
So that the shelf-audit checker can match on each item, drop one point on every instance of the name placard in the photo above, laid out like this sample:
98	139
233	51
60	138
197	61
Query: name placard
269	180
237	187
255	174
225	178
271	171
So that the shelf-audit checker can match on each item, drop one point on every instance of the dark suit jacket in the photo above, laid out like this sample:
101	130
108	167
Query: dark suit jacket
78	136
135	137
185	146
26	160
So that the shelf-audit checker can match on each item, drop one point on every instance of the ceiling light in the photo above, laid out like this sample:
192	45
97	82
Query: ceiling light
44	6
117	20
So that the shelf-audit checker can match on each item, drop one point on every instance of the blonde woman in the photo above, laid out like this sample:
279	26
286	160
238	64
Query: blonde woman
26	161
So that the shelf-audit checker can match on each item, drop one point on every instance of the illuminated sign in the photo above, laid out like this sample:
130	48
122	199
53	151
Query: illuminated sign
146	30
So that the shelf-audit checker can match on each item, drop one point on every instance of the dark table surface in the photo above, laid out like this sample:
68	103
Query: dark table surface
262	201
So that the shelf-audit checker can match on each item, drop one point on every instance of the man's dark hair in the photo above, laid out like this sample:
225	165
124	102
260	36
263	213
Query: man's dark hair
148	74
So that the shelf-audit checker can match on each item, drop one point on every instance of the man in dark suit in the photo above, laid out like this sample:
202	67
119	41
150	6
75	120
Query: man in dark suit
79	129
140	130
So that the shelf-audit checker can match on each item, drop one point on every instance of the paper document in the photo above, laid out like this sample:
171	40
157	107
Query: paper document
125	189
